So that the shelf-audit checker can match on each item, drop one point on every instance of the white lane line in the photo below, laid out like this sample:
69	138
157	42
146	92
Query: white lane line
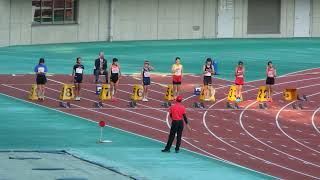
251	135
293	139
98	112
94	91
129	132
209	155
126	110
117	98
313	120
213	156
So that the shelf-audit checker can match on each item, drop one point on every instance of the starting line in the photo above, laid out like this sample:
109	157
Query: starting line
204	109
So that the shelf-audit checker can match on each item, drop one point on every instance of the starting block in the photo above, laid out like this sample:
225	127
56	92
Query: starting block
198	105
98	89
169	96
207	93
64	104
229	106
302	98
297	106
67	92
137	92
263	106
132	104
98	105
197	90
105	93
292	95
166	104
236	106
33	93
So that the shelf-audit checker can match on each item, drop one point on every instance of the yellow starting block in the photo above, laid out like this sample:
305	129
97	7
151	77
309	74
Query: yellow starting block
169	93
207	93
105	93
262	94
290	94
137	92
67	92
232	95
33	93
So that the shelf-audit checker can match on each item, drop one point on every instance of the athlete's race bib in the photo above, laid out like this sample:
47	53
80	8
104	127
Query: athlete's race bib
177	71
79	70
270	73
115	70
41	69
146	74
208	73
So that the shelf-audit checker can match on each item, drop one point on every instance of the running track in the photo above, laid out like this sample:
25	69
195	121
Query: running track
279	141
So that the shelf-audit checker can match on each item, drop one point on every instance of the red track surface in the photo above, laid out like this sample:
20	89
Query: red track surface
278	141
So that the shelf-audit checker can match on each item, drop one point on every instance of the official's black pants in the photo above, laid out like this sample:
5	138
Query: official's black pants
176	128
97	72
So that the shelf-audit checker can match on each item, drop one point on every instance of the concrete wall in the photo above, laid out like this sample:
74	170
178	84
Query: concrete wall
315	21
163	19
137	20
4	23
16	24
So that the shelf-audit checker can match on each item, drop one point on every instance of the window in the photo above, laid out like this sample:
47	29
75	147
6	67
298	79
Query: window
54	11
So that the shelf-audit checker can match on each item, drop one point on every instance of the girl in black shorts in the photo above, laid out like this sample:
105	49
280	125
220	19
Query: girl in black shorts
207	78
271	74
207	72
114	74
77	74
41	79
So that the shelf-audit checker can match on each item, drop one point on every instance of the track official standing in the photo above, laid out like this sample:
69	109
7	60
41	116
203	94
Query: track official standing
178	115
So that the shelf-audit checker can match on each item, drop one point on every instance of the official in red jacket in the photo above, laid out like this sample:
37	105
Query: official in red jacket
178	115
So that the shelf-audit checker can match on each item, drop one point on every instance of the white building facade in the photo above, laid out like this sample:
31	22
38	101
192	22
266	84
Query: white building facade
24	22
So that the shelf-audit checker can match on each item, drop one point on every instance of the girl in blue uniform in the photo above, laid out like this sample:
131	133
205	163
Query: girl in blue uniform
115	75
41	79
145	73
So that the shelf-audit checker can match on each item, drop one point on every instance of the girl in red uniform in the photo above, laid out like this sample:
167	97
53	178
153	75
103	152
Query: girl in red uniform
271	74
115	75
239	73
177	74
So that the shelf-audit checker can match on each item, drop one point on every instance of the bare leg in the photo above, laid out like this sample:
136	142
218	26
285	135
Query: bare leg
175	89
145	91
270	92
76	89
79	88
240	91
115	87
178	90
39	91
